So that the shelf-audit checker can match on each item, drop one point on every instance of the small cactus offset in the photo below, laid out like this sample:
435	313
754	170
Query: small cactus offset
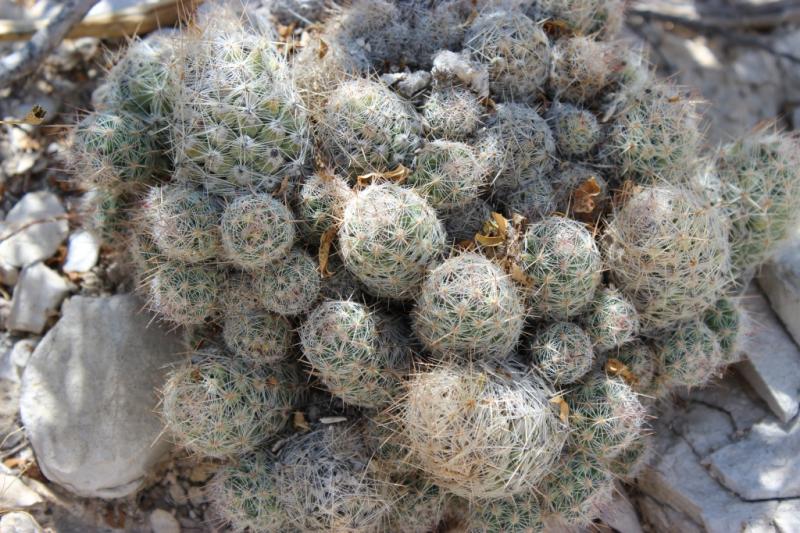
469	308
488	231
562	353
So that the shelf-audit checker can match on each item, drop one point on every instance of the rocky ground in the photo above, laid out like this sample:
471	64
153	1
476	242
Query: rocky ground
74	350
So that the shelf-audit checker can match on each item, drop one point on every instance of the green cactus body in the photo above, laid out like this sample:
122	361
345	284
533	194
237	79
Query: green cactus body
257	230
605	416
420	508
516	52
288	287
562	264
321	205
640	362
447	174
114	151
186	294
520	514
760	178
469	308
452	113
576	490
388	237
576	130
611	320
656	140
107	216
256	335
668	254
523	147
481	433
534	198
630	462
689	356
366	127
355	352
219	406
183	222
580	69
324	483
725	319
561	352
244	494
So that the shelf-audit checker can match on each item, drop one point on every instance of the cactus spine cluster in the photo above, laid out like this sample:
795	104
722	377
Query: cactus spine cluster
485	229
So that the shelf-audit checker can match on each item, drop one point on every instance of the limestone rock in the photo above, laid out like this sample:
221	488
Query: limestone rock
163	522
763	465
772	363
37	296
780	280
32	240
89	395
14	494
82	252
19	522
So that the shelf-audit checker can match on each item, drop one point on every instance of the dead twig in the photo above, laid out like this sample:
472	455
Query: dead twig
30	56
740	17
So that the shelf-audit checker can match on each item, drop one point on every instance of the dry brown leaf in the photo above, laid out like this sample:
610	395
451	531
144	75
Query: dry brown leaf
324	251
615	367
34	117
489	240
518	275
502	223
563	408
299	421
398	175
323	49
584	196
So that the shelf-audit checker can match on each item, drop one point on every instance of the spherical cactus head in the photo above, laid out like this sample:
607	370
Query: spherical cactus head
522	143
479	431
256	335
580	69
420	507
186	294
561	352
605	416
217	405
366	127
576	130
257	230
689	355
576	490
668	253
357	353
244	494
106	214
611	320
325	485
452	113
288	287
114	151
372	32
183	222
448	174
469	308
725	318
519	513
516	51
384	436
760	177
630	461
321	204
534	198
602	19
656	139
562	265
388	237
635	363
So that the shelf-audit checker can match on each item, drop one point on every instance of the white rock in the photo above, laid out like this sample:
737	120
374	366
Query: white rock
38	294
780	280
786	516
83	251
664	518
19	522
764	465
450	67
8	274
772	363
22	351
619	514
10	432
36	241
163	522
89	395
14	494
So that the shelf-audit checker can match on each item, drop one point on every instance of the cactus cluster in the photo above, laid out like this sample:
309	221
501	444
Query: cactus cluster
482	232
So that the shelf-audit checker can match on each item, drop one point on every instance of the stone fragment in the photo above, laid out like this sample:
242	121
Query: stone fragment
89	395
33	230
8	274
763	465
36	298
19	522
780	281
772	363
14	494
163	522
83	251
664	518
